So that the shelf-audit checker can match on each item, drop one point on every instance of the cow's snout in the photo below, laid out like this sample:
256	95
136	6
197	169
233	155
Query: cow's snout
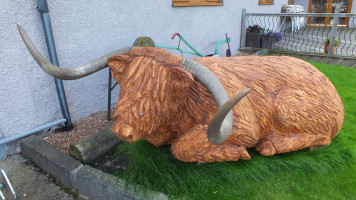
126	133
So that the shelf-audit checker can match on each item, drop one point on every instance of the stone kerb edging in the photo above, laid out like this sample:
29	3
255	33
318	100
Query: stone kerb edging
87	181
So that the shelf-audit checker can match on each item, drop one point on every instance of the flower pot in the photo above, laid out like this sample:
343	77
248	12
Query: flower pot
326	48
268	42
253	39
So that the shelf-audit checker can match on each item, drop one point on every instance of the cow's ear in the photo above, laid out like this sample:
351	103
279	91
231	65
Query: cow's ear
181	81
118	63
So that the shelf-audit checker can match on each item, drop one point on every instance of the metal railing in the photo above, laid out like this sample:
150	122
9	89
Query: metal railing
301	33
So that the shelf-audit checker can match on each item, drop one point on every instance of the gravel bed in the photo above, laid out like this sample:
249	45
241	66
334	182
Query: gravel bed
84	128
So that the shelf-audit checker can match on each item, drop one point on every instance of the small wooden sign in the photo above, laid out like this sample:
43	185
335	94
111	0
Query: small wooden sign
265	2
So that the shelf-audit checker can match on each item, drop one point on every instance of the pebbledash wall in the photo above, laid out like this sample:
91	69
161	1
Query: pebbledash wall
83	31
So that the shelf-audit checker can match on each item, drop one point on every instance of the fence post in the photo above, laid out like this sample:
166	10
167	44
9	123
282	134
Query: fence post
243	31
334	29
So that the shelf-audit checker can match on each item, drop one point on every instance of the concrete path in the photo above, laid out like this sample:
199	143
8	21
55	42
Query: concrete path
29	182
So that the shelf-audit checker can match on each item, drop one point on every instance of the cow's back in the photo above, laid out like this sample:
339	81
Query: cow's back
286	92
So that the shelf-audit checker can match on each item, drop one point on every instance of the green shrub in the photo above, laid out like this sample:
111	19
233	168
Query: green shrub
337	41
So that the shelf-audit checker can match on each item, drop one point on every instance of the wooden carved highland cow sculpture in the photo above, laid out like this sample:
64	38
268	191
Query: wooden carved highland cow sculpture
165	99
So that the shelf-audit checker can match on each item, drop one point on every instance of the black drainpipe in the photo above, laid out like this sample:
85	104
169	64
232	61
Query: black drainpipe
43	9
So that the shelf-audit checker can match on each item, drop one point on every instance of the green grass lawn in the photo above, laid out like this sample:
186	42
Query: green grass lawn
329	172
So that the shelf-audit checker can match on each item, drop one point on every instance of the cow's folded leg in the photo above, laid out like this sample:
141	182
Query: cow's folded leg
282	143
194	146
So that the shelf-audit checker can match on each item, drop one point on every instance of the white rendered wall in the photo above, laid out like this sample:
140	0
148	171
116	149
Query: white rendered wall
85	30
304	3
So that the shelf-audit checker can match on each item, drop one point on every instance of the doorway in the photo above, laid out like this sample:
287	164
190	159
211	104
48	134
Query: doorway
328	6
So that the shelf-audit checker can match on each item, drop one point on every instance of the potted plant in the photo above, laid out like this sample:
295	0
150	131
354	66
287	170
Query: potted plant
268	39
327	44
253	36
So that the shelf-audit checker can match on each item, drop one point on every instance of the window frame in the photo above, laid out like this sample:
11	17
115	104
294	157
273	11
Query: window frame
265	2
186	3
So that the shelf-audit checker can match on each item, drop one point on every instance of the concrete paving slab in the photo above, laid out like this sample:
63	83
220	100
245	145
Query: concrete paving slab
348	62
285	54
295	55
354	65
326	60
315	58
49	159
336	61
305	57
29	182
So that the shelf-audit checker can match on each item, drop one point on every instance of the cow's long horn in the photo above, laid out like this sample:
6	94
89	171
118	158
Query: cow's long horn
221	125
67	74
219	128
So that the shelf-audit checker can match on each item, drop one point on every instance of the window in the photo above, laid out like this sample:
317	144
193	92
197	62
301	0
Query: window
197	3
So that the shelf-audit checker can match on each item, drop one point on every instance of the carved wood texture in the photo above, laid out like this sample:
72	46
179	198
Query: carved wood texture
291	104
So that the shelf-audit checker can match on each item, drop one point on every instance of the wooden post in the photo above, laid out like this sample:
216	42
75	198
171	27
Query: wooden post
334	29
94	146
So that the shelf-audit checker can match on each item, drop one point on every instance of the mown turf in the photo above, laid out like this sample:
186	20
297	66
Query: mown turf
329	172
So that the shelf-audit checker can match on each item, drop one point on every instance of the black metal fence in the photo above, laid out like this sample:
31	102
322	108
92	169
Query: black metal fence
302	33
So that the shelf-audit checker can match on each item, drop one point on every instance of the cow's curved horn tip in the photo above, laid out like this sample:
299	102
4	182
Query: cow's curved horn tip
244	92
19	26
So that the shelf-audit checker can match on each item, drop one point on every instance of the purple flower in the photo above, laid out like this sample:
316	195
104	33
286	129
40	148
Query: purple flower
277	35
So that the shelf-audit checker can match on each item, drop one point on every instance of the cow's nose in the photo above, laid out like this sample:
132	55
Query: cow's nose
127	131
129	134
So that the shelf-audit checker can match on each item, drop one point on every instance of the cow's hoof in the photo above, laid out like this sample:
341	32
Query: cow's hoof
266	148
244	155
310	148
